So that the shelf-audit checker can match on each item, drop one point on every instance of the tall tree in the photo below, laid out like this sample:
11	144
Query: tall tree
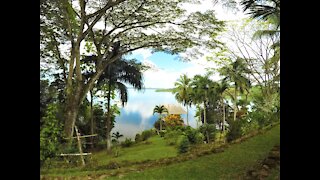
261	54
115	28
220	89
114	77
160	109
182	92
236	73
203	92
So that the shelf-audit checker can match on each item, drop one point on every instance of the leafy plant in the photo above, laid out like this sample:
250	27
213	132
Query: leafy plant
127	142
235	130
172	136
183	144
50	134
194	136
138	138
208	130
146	134
173	120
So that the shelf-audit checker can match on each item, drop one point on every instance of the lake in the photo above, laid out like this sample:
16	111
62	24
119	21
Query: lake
136	116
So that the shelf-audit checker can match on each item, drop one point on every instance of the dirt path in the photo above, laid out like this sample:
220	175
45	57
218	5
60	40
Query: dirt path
263	170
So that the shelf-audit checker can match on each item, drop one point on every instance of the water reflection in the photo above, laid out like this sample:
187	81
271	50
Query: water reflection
137	115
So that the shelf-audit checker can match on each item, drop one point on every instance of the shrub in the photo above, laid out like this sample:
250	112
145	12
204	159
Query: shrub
127	143
250	126
138	138
194	136
146	134
162	133
183	144
171	137
235	130
211	129
50	134
173	120
199	138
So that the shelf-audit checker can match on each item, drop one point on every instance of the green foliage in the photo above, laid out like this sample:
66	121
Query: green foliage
146	134
183	144
171	137
160	109
127	142
138	138
249	126
210	129
231	164
266	109
194	136
162	133
99	118
235	130
50	134
157	124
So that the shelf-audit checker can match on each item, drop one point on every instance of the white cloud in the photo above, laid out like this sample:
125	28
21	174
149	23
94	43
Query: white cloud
146	53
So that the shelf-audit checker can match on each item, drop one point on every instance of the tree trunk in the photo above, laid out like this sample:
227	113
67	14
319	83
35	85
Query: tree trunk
204	113
235	104
72	108
92	124
160	123
108	122
224	116
187	116
205	119
200	120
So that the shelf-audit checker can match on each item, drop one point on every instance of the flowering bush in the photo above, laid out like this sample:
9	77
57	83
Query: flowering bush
173	120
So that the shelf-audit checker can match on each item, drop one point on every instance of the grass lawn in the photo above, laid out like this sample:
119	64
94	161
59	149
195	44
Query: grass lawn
230	164
155	149
140	152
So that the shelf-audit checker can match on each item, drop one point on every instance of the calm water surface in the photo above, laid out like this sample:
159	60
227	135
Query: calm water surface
137	116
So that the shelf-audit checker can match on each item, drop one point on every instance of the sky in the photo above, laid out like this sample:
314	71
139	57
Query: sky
166	68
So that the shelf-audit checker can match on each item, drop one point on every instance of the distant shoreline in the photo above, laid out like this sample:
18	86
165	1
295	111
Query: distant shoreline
165	90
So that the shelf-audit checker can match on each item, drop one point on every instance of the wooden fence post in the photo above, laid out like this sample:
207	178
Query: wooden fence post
79	146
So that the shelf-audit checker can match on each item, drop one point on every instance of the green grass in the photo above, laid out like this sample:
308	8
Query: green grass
140	152
230	164
156	149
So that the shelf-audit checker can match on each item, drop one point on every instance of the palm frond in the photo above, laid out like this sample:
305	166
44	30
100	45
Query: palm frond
265	33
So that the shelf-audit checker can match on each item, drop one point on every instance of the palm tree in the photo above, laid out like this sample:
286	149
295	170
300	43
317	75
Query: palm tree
220	89
202	88
117	135
203	92
114	77
182	92
236	73
160	109
264	9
